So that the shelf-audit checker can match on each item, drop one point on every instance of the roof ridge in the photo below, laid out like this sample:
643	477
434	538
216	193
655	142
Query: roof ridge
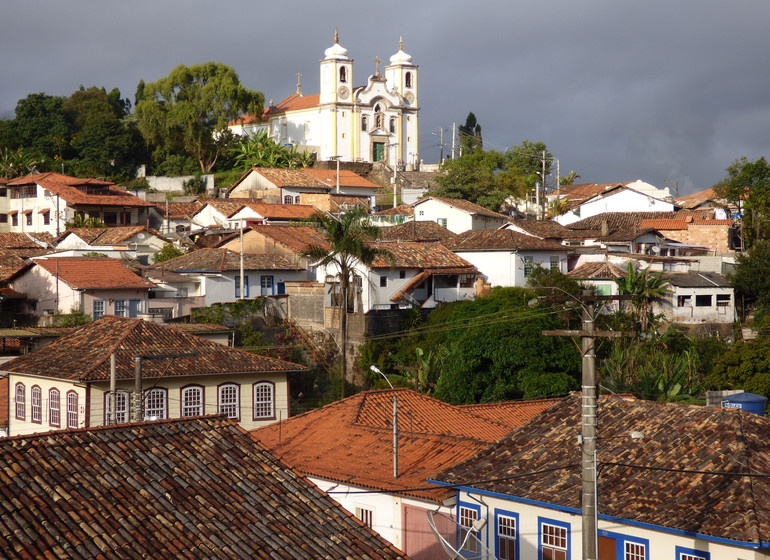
115	346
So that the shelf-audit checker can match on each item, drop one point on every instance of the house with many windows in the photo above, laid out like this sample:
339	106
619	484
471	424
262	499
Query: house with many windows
67	384
676	482
346	449
94	285
173	489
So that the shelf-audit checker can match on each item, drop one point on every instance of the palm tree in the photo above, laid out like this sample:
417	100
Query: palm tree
644	287
349	238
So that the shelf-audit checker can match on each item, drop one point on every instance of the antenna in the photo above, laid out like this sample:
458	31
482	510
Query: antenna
467	544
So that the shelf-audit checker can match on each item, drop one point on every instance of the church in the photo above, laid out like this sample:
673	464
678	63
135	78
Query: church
372	123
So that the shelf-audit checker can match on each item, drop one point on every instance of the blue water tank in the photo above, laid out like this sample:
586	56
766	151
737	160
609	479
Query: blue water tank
750	402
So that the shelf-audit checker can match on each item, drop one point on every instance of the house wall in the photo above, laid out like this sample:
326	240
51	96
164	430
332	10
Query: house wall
684	306
430	210
714	237
18	426
659	544
506	268
174	385
110	297
623	200
220	288
208	216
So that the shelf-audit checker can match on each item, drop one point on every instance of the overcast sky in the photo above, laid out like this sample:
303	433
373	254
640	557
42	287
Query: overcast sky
658	90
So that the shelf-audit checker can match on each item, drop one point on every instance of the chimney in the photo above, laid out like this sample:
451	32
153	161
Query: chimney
605	228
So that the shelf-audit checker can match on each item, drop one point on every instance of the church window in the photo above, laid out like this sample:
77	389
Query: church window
408	79
378	120
364	123
343	74
392	125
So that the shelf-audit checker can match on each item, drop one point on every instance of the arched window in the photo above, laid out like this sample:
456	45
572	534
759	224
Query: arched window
156	404
229	400
54	408
37	404
21	401
392	125
192	401
264	400
296	199
408	79
364	123
343	74
72	409
122	398
288	199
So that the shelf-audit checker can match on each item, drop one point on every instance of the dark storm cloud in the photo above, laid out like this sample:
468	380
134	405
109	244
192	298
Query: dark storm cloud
656	90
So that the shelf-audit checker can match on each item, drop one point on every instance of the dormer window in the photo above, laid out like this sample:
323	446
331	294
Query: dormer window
343	74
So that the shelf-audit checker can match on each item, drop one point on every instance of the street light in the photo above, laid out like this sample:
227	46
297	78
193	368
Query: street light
375	369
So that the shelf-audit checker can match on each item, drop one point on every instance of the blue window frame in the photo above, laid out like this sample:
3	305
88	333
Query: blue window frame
506	535
627	547
683	553
554	539
467	515
238	286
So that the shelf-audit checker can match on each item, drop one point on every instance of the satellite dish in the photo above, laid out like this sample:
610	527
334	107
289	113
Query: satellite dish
655	249
140	236
457	541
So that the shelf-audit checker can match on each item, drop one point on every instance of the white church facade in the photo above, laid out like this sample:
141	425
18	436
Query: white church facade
375	122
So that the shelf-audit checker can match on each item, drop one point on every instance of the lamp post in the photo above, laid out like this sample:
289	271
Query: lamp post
375	369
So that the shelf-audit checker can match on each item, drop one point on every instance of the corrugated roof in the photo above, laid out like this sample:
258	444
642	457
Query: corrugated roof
350	441
194	488
699	470
77	357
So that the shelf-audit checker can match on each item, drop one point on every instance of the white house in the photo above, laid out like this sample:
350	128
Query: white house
375	122
216	274
583	201
456	214
690	485
506	257
45	202
697	297
133	242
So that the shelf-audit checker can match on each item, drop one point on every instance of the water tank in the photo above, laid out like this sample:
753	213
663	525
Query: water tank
749	402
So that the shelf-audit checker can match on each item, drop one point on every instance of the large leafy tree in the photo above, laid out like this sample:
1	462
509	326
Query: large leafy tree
41	127
744	366
189	110
349	240
747	185
751	279
470	135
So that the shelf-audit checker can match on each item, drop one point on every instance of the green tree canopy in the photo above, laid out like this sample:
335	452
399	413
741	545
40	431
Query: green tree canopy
41	126
751	279
189	110
470	135
747	185
644	287
744	366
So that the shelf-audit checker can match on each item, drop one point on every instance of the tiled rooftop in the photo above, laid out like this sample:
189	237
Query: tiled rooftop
350	441
223	260
108	236
597	270
416	231
69	189
544	229
92	272
420	255
626	220
697	469
198	488
500	240
295	238
77	357
19	240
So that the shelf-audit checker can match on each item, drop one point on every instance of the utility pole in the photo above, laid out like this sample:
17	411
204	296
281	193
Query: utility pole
441	145
542	209
137	408
589	413
454	139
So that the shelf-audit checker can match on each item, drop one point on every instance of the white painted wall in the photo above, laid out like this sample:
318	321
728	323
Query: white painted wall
506	268
623	200
27	426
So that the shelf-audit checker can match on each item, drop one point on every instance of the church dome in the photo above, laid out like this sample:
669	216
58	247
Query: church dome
401	57
336	51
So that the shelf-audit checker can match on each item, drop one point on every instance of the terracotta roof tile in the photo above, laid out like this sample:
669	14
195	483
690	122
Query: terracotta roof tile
73	190
690	466
626	220
77	358
196	488
294	102
350	441
500	240
18	240
178	209
347	178
295	238
431	256
223	260
512	413
597	270
544	229
107	236
401	209
681	224
281	211
416	231
92	272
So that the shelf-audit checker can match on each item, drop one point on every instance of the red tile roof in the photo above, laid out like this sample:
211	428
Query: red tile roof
627	220
500	240
697	470
431	256
350	441
223	260
92	272
597	271
18	240
512	413
74	190
347	178
107	236
294	238
76	357
195	488
294	102
681	224
416	231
